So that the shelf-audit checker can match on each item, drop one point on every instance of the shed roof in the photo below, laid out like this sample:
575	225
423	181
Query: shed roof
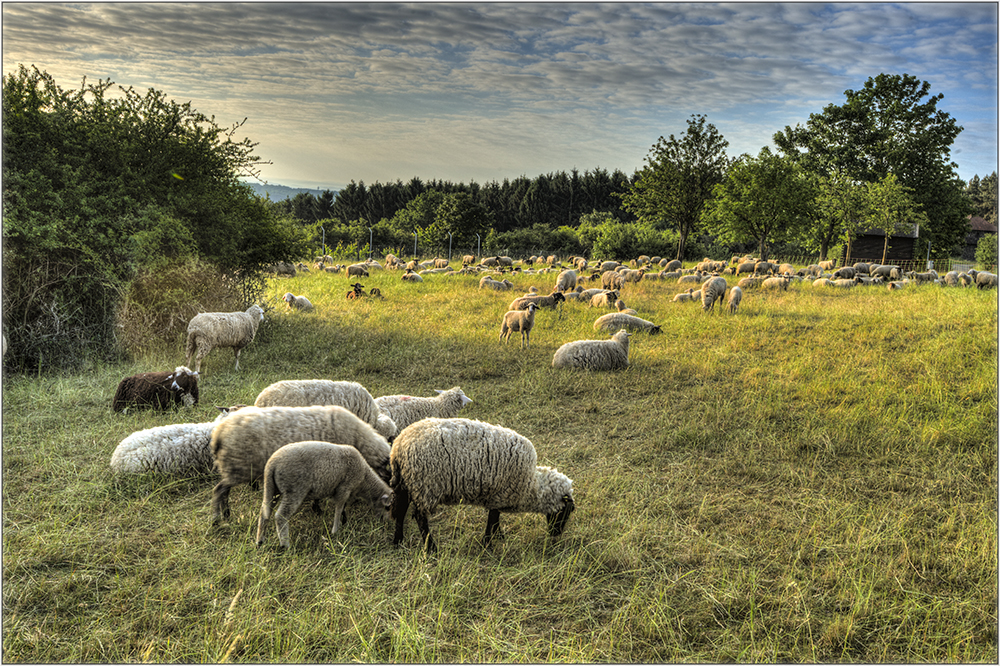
979	224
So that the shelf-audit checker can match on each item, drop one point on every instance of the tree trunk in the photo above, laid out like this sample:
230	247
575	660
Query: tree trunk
681	245
762	249
847	255
885	249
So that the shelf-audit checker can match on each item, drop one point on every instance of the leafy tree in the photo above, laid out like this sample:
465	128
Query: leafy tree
888	127
986	252
671	190
982	193
888	207
839	207
459	215
98	188
765	199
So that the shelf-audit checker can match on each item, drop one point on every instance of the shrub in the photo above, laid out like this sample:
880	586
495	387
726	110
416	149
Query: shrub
986	252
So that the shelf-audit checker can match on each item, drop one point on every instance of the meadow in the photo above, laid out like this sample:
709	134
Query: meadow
811	479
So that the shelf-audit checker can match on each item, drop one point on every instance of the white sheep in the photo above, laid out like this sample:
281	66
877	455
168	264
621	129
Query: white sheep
594	354
605	299
686	296
986	280
490	283
181	448
735	296
566	281
297	302
313	470
450	461
621	307
407	409
614	321
349	395
775	283
357	270
519	321
242	442
210	330
550	301
712	291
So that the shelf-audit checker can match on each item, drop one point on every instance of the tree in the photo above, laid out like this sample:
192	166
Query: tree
99	188
888	127
888	207
986	252
983	196
839	206
763	199
671	190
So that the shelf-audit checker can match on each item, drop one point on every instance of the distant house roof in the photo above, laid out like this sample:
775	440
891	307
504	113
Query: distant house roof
979	224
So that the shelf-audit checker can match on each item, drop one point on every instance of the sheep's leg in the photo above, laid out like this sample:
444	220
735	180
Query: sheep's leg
492	526
400	503
290	503
220	502
425	530
340	497
237	350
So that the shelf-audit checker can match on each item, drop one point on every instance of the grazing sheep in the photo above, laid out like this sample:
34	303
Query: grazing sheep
357	270
844	273
612	280
712	291
352	396
550	301
157	390
750	282
468	259
886	272
950	278
297	302
566	281
594	354
686	296
242	442
605	299
313	471
863	267
519	320
786	269
986	280
450	461
673	265
614	321
211	330
407	409
609	266
490	262
965	279
735	296
182	448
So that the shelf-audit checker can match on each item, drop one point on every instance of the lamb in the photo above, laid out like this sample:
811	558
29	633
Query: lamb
686	296
450	461
566	281
406	409
357	270
297	302
775	283
349	395
621	307
965	279
157	390
605	299
180	448
594	354
410	276
550	301
242	442
313	470
614	321
487	281
519	320
735	296
822	282
712	291
210	330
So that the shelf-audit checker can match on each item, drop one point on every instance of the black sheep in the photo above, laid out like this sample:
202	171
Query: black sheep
157	390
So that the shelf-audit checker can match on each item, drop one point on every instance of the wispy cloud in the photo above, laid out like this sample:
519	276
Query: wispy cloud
481	91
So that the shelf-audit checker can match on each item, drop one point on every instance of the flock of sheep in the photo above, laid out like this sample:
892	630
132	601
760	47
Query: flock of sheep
313	439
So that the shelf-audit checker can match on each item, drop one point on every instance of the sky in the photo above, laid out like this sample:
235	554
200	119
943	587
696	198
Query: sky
335	92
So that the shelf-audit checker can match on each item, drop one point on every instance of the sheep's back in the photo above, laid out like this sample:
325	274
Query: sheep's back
225	328
591	355
166	449
447	461
308	392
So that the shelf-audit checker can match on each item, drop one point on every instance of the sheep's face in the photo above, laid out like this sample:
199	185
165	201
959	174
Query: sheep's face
557	521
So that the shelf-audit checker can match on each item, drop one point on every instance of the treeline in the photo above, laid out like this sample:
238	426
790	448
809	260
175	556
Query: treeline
553	199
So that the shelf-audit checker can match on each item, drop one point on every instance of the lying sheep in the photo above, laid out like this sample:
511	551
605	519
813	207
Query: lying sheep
519	321
686	296
550	301
843	283
621	307
297	302
157	390
614	321
211	330
450	461
490	283
182	448
594	354
410	276
605	299
242	442
735	296
712	291
844	273
349	395
775	283
827	265
313	470
407	409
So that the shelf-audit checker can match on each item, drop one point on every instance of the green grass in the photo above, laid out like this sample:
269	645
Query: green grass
813	479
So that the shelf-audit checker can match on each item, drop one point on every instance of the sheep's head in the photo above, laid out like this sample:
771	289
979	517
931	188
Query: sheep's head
556	495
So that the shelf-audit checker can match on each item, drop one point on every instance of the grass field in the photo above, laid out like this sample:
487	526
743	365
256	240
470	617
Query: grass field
812	479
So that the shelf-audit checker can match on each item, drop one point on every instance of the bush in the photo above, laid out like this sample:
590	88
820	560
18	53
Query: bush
986	252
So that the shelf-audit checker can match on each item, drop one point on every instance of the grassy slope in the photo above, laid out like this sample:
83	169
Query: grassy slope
813	479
